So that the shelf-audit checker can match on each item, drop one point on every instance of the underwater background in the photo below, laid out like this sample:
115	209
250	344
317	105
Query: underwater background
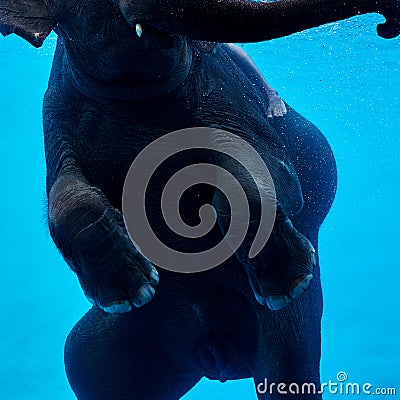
342	77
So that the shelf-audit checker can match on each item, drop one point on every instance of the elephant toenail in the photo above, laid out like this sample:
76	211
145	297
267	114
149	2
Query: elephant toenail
301	285
259	298
277	302
90	300
313	257
139	30
118	307
144	295
154	278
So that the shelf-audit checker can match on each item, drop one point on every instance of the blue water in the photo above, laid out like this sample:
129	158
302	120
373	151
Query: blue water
346	80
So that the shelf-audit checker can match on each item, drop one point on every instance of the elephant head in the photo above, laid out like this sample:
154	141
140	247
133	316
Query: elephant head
211	20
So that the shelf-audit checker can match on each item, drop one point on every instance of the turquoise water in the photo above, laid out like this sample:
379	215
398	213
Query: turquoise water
346	80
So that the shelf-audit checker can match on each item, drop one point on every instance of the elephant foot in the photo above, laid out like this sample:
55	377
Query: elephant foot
286	266
276	107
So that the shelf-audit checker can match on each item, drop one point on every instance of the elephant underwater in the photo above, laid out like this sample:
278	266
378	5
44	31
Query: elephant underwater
126	73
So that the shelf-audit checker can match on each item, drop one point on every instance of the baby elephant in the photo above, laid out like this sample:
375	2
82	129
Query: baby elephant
126	73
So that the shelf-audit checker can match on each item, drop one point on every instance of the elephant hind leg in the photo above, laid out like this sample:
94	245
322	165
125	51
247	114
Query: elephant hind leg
104	361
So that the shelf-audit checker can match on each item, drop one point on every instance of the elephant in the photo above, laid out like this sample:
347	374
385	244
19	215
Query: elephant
124	74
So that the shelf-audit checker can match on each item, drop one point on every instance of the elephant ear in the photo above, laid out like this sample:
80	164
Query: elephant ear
33	20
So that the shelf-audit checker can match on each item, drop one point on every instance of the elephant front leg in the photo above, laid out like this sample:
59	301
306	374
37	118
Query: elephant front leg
284	262
91	236
284	268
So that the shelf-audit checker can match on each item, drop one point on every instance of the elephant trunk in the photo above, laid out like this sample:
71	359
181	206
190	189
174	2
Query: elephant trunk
250	21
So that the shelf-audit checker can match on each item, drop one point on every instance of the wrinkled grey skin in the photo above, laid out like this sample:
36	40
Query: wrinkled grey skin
110	94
